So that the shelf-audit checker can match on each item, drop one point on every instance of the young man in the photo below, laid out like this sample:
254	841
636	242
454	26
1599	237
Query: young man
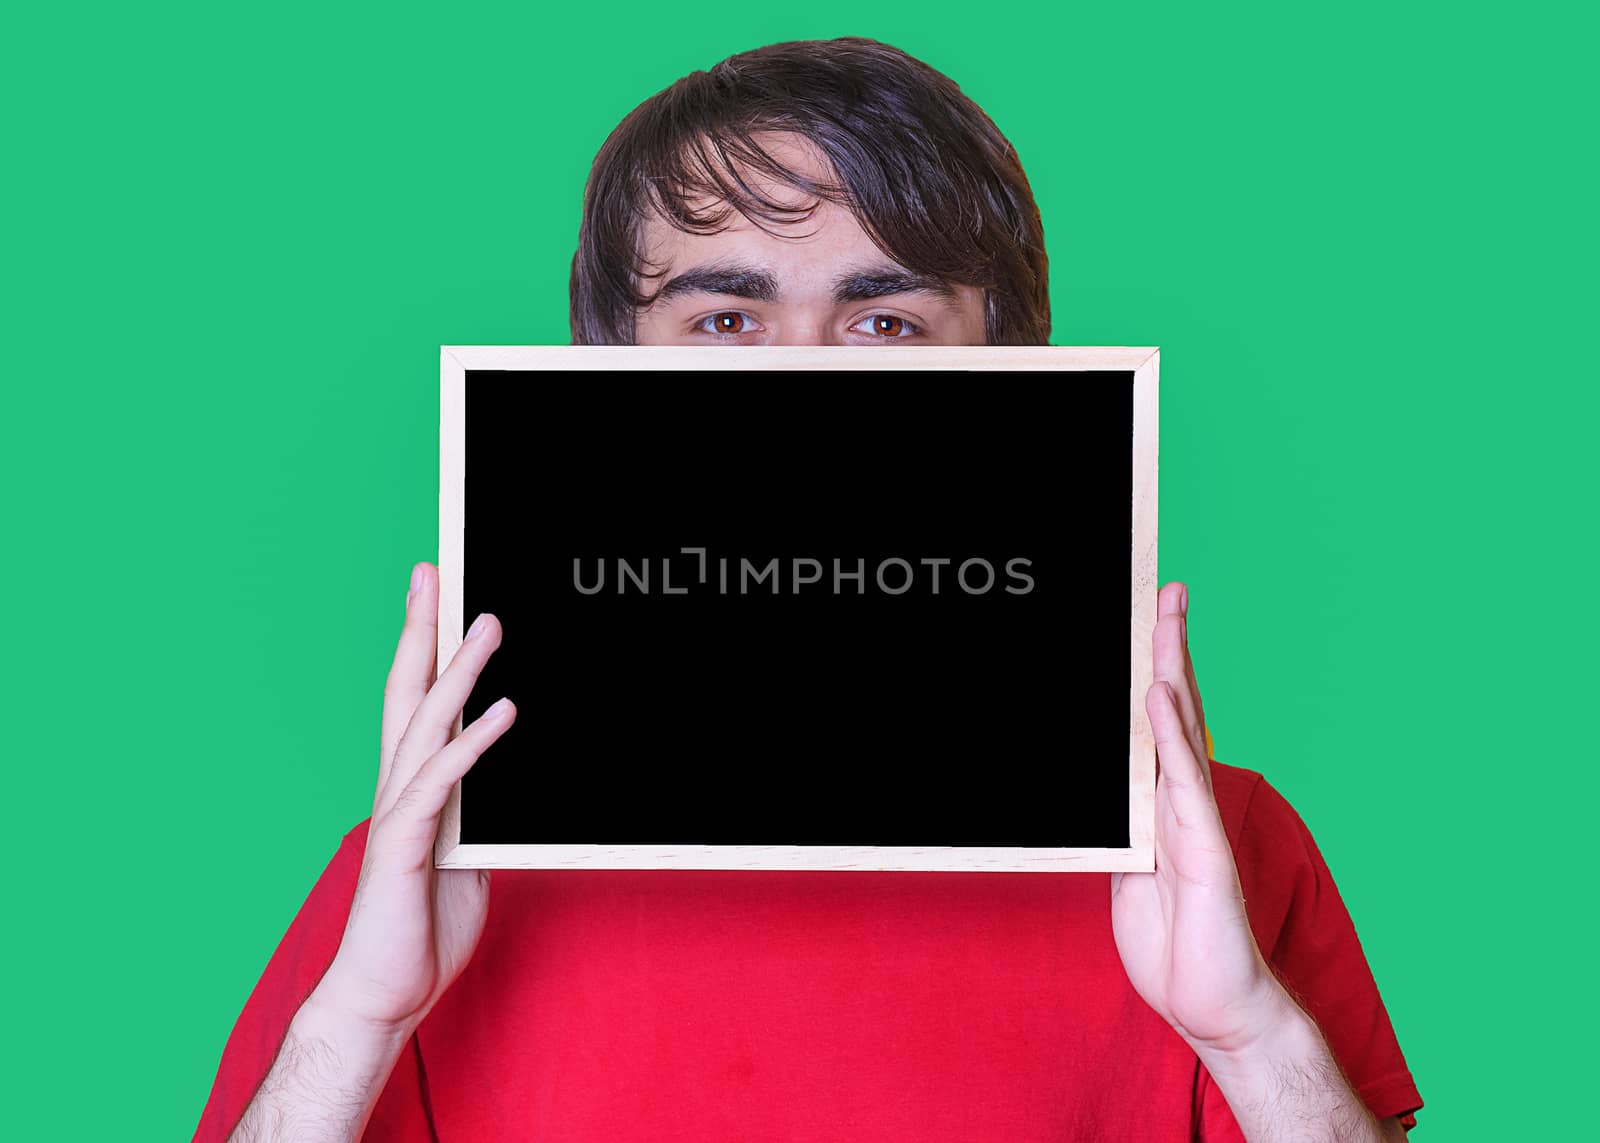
834	193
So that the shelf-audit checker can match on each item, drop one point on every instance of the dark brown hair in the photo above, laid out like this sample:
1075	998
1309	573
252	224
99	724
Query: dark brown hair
927	174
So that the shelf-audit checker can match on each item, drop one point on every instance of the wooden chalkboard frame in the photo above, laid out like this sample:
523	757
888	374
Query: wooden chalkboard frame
1144	362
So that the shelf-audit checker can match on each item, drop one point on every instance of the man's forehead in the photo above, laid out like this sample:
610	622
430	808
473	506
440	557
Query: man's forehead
823	253
793	153
818	240
805	255
841	266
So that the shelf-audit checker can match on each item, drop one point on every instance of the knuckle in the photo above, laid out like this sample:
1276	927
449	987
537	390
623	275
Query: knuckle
401	820
473	746
402	675
463	674
409	805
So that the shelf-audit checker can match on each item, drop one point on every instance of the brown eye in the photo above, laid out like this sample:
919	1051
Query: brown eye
729	321
888	327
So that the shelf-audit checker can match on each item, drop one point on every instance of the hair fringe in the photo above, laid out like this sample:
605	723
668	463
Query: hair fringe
941	191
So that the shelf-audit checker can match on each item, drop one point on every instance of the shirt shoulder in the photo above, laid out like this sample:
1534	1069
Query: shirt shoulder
1305	931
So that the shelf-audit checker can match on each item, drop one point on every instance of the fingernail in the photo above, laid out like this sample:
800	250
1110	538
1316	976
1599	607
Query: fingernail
479	626
498	709
416	578
1183	599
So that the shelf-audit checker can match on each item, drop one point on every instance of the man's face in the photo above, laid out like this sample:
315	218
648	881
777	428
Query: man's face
816	281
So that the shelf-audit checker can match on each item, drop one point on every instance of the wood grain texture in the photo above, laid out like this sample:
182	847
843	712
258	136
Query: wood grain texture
1143	362
1142	625
452	505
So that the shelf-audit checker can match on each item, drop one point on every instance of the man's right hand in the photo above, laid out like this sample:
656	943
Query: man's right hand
412	928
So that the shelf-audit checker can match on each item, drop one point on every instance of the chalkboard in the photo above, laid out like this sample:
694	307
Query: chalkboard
803	608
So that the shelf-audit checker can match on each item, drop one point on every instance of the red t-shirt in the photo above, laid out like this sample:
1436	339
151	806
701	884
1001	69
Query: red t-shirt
712	1005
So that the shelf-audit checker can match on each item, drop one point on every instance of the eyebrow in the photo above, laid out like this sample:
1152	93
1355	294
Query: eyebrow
760	284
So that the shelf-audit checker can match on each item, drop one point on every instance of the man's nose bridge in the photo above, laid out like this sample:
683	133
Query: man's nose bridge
806	331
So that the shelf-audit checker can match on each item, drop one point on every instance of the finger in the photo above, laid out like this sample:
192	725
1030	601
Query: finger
411	824
1180	775
1194	685
436	714
1197	723
411	674
1171	664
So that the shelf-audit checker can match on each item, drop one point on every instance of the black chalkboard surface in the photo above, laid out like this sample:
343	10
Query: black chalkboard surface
829	615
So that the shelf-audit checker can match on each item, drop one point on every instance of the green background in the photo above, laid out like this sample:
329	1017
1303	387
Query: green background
235	237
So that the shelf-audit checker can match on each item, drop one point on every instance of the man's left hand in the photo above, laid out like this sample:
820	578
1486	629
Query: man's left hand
1182	931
